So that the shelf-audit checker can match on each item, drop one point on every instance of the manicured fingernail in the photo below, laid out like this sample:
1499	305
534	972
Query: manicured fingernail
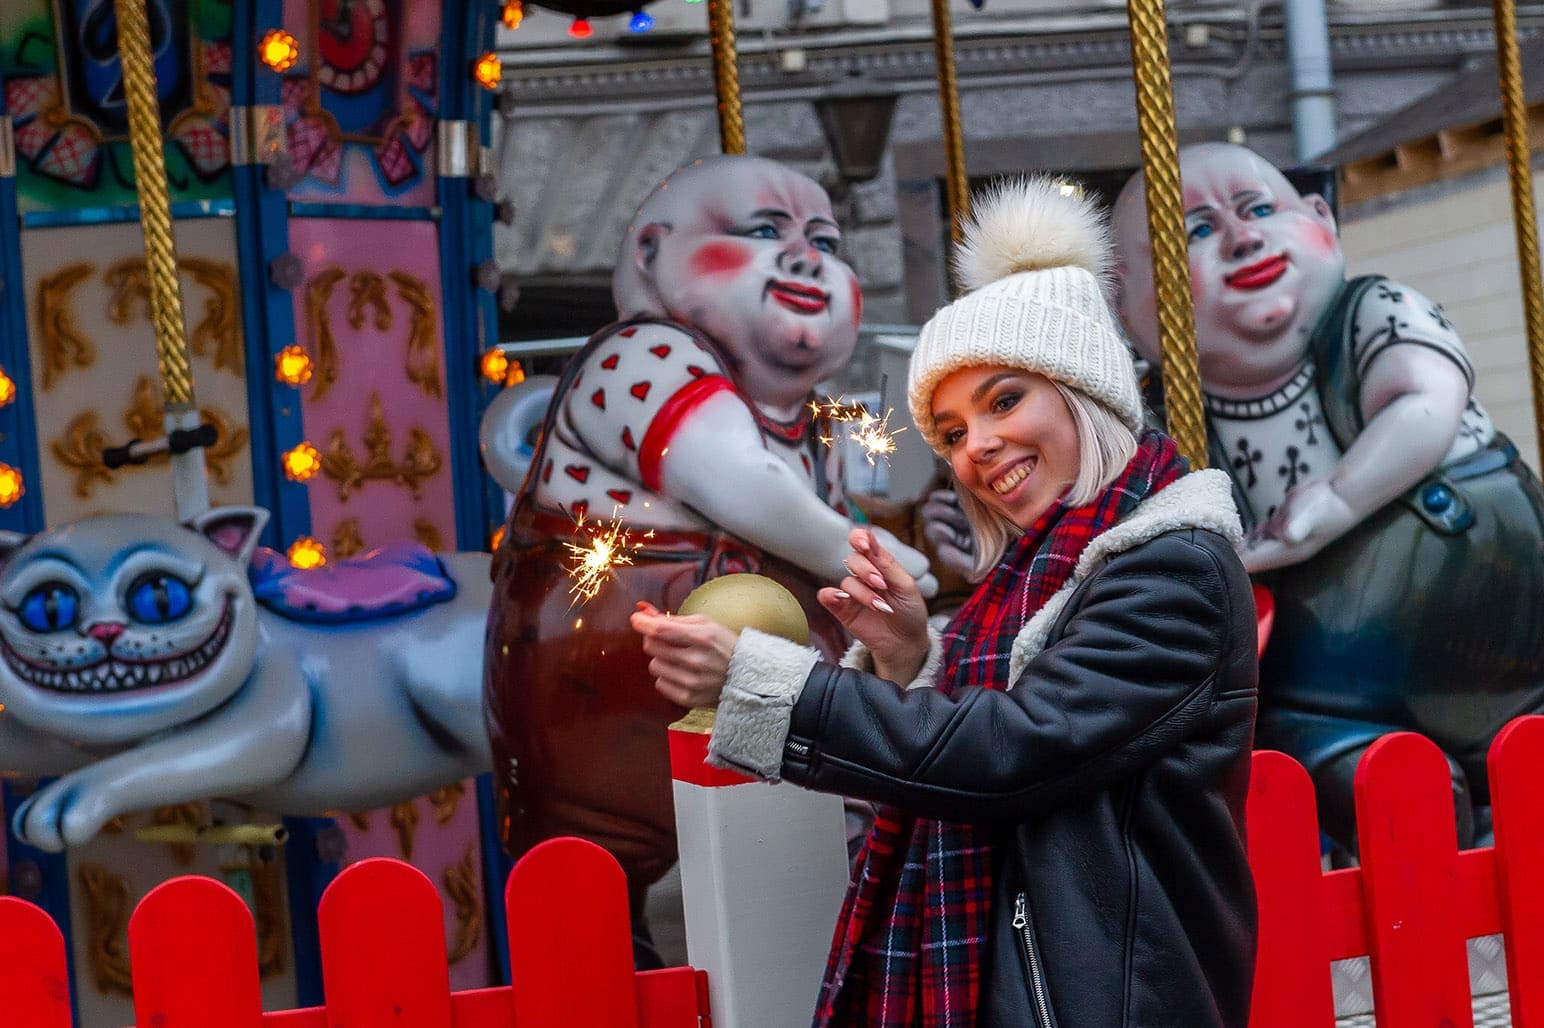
878	581
861	544
845	596
882	605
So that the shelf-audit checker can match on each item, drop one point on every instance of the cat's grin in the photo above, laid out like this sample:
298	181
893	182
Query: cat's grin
112	674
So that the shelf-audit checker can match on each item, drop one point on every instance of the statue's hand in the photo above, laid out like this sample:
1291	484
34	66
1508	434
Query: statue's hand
946	527
1312	516
913	562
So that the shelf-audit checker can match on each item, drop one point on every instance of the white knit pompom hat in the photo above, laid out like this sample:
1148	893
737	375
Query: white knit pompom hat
1033	261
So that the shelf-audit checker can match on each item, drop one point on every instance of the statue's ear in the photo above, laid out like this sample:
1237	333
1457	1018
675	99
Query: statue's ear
10	542
646	246
233	529
1321	210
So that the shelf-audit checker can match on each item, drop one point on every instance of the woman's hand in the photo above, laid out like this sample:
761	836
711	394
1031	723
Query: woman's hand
880	604
690	655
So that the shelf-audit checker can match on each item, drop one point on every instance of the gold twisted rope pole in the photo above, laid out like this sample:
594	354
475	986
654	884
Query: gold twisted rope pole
956	189
726	76
155	215
1514	116
1166	227
190	487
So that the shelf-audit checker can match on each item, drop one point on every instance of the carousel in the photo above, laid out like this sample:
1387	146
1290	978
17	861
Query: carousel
249	290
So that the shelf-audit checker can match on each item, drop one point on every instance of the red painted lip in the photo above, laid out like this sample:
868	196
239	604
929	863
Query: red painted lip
798	297
1259	275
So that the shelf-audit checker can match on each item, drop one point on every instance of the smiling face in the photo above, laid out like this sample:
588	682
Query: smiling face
1010	438
1265	262
119	626
745	250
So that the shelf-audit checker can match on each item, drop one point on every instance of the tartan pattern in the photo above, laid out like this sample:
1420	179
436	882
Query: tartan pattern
911	937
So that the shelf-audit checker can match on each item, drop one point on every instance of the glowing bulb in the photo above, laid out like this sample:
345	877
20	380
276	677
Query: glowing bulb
302	463
11	486
488	71
513	14
496	539
7	388
515	375
279	50
495	365
292	366
581	29
642	21
306	553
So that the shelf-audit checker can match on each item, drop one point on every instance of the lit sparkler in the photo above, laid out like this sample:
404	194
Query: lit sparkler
870	431
609	546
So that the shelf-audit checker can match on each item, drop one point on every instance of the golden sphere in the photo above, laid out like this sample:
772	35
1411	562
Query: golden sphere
749	601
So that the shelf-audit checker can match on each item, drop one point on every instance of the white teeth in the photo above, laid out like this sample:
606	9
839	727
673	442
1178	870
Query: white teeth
1011	479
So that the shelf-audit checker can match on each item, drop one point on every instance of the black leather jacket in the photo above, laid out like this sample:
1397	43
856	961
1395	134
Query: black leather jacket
1115	772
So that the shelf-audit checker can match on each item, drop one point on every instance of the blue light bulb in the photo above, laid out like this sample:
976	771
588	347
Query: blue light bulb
642	21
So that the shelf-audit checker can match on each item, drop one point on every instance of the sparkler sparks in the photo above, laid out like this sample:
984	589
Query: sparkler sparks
608	547
871	431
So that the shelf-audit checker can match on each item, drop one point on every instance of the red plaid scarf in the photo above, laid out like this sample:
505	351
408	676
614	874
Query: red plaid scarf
912	932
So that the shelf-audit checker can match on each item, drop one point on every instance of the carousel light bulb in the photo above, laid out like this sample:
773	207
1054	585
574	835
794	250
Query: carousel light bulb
306	553
581	29
488	71
7	388
513	14
292	366
515	375
11	486
302	463
495	539
642	21
279	50
495	365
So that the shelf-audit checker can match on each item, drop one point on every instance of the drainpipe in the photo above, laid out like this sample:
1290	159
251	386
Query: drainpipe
1313	82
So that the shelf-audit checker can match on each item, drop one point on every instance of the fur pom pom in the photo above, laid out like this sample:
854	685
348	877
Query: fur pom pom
1030	224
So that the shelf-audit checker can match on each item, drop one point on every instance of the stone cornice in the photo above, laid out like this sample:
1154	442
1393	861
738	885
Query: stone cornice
541	82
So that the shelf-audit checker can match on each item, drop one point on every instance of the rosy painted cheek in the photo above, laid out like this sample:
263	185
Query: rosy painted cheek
720	258
857	301
1324	242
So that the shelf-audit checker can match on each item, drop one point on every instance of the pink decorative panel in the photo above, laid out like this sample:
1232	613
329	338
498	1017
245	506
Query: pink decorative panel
362	103
369	315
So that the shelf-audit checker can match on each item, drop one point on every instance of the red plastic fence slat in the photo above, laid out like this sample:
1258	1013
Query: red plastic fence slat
570	938
1343	911
1409	852
193	949
383	948
1292	985
667	998
1479	911
1517	795
34	982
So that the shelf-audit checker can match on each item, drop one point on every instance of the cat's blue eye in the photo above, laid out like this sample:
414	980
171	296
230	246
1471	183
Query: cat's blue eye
159	597
50	607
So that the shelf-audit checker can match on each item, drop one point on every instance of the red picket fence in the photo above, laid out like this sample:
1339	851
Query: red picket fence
193	949
1414	900
1410	906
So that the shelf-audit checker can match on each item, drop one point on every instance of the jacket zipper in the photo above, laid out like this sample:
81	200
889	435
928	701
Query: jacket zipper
1036	978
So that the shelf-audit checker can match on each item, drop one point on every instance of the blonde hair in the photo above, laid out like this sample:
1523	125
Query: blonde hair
1105	447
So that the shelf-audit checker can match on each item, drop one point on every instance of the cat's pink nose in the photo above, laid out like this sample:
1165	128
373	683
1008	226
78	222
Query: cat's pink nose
105	632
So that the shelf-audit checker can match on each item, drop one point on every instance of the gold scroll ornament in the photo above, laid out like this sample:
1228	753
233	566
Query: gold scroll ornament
461	886
218	332
80	447
368	304
419	461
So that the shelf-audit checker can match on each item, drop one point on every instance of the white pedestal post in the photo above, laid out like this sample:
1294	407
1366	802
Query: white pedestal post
763	871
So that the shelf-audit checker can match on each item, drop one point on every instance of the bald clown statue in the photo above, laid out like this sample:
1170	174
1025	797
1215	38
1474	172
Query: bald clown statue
1398	530
689	418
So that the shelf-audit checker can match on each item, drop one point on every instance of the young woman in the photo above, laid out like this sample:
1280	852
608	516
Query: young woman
1064	765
